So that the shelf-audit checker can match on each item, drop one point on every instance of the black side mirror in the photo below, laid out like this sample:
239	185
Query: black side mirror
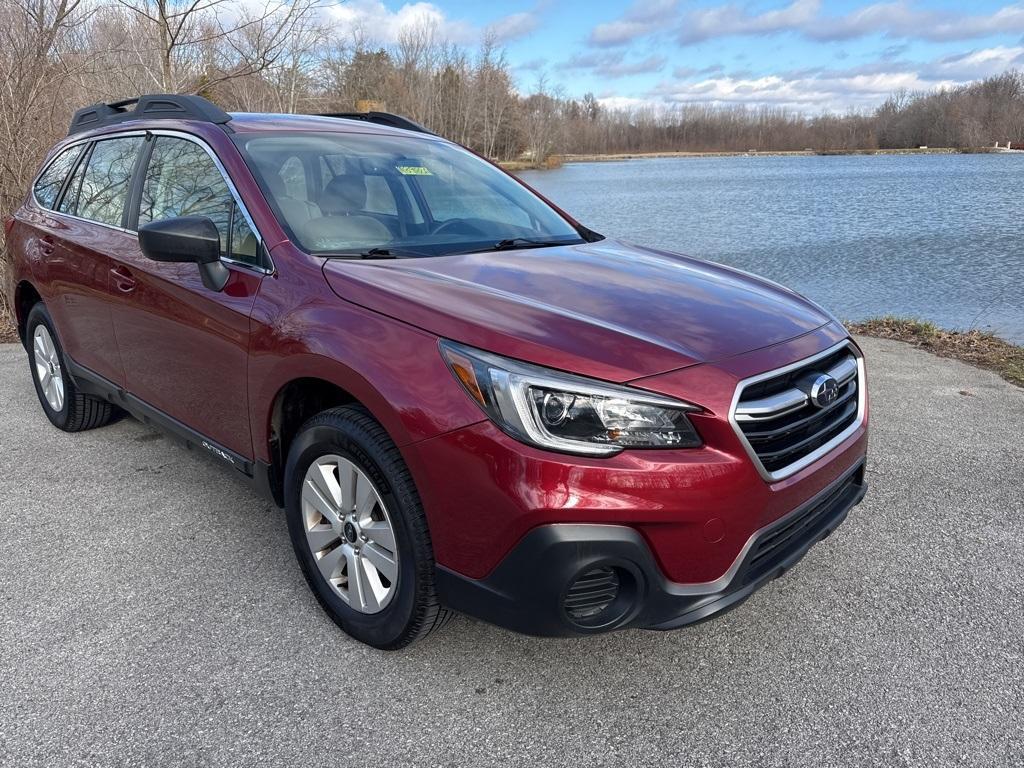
187	239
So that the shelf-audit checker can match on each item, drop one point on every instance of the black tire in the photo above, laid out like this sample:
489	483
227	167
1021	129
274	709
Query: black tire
79	411
414	610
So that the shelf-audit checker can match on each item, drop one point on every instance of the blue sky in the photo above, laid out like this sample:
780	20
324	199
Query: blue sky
809	55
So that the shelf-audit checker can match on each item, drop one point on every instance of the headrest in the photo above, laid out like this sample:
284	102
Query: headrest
344	194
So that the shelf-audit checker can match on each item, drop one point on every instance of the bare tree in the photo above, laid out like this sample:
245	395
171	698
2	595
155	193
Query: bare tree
540	112
197	44
34	98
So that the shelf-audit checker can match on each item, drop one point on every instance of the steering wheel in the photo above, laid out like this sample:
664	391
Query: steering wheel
456	227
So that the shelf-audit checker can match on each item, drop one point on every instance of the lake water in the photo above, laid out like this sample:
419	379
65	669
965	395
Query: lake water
939	237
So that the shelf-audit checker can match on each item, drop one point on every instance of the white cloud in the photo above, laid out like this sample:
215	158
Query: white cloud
903	19
818	89
977	64
625	68
726	20
373	20
614	64
514	26
899	19
808	94
625	102
684	73
642	18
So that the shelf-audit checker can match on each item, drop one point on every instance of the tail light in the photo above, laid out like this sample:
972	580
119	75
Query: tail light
8	225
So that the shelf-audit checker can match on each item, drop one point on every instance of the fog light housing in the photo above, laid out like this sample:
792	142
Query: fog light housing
599	597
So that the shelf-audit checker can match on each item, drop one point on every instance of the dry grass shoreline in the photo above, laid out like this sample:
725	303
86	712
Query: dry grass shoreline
8	332
978	348
556	161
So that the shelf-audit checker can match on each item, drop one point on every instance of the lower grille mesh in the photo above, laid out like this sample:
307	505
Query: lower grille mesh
777	544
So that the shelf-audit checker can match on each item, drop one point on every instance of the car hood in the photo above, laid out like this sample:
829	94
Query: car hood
607	309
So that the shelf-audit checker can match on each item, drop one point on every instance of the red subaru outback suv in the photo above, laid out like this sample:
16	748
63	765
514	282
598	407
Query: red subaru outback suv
463	398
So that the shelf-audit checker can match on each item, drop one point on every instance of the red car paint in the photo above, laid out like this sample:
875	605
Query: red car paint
673	325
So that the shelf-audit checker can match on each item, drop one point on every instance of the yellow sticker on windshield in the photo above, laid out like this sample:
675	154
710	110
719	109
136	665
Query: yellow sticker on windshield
413	170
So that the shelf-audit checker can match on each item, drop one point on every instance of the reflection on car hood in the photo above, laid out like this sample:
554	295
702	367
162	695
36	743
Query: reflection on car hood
606	309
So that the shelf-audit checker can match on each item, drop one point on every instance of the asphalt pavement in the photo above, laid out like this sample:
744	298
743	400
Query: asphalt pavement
152	614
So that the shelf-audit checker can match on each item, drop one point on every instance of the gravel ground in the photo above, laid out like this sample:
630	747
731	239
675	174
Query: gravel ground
151	613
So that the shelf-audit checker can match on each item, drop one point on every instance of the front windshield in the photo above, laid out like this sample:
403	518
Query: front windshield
365	194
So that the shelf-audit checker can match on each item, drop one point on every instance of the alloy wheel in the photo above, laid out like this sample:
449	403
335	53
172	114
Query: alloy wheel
48	369
349	533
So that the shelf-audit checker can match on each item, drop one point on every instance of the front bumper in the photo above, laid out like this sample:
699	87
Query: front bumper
529	588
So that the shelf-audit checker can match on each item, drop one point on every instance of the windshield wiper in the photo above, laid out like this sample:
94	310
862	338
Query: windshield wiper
527	242
378	253
374	253
518	243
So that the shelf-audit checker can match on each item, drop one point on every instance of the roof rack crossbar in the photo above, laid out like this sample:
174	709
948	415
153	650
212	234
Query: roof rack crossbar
381	118
153	106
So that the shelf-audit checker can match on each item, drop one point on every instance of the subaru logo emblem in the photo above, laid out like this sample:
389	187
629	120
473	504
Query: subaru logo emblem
824	391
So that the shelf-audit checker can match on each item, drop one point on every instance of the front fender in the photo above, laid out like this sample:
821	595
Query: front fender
395	370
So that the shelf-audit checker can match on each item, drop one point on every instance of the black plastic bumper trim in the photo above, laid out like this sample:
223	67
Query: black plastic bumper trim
94	384
526	591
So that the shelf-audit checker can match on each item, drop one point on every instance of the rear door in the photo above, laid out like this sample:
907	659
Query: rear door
81	227
185	347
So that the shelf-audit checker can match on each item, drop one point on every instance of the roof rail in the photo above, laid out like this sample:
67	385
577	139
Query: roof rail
162	106
382	118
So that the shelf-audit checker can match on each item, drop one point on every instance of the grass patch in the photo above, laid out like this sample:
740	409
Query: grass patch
980	348
8	331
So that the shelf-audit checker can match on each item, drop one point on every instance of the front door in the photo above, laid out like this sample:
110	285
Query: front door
185	347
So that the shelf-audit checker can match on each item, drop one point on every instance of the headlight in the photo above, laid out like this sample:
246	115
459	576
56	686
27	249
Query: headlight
567	413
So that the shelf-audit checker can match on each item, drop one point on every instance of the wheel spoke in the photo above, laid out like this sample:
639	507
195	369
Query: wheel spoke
365	499
44	375
40	347
52	396
348	477
381	560
355	580
58	384
327	483
51	352
380	533
380	592
331	562
321	537
371	591
316	498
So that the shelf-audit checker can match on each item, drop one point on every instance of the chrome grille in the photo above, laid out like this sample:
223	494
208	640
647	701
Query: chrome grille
778	421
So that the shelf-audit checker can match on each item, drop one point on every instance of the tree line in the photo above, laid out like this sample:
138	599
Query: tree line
287	56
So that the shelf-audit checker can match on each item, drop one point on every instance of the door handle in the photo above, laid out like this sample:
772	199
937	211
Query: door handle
123	279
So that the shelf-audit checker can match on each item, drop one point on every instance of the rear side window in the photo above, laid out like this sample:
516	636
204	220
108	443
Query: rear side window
51	180
106	181
182	180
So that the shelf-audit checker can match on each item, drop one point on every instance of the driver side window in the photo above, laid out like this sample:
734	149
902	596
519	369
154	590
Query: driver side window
182	180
